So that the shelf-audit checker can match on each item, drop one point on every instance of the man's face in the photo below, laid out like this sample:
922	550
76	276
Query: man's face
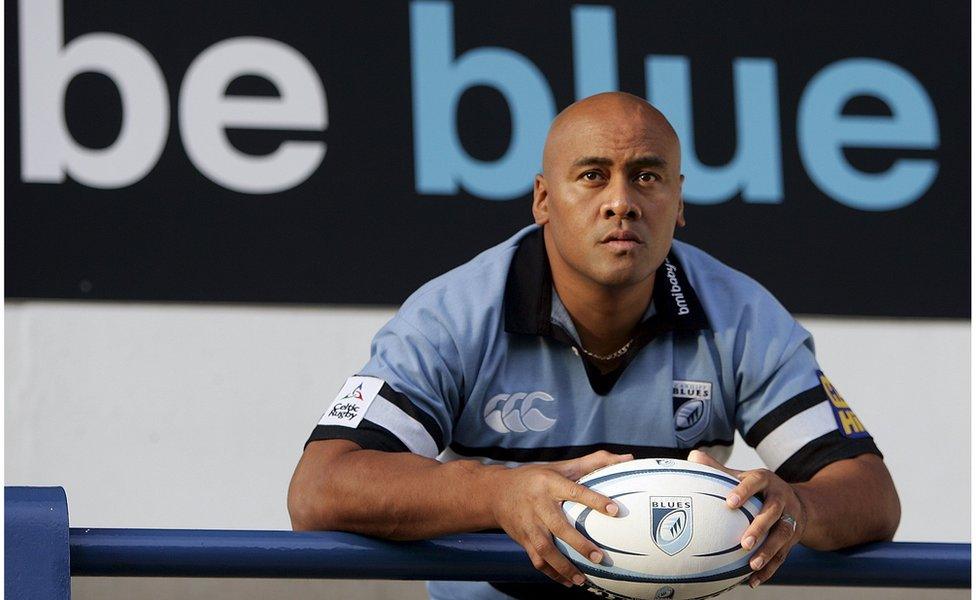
610	194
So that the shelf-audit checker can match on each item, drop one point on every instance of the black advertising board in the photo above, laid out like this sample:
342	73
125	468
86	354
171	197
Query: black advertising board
320	152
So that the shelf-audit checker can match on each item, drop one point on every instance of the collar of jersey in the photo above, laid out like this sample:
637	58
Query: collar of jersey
529	298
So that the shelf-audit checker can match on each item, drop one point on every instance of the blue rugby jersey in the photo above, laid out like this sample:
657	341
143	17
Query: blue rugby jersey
484	363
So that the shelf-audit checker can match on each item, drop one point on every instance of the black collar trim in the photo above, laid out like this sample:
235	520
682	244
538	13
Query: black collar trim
528	289
528	296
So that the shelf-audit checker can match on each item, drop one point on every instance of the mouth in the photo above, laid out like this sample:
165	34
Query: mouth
622	240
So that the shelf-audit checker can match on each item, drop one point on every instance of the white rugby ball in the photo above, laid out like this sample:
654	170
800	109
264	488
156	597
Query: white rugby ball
674	537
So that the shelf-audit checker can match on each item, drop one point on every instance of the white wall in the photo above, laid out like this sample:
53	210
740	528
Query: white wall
168	415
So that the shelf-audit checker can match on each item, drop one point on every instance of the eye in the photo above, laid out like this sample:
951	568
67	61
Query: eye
592	176
647	177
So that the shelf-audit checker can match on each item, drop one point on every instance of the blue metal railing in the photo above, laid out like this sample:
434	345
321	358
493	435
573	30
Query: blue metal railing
334	555
477	556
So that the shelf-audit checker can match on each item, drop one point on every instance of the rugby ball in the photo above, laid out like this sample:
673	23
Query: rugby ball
674	537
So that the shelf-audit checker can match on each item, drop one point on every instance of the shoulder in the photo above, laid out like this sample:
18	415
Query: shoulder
714	277
731	299
750	328
468	298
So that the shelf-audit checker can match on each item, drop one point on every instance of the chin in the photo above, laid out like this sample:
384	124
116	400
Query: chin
622	277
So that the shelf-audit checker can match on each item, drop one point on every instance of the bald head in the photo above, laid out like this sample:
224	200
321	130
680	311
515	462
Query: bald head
612	164
614	115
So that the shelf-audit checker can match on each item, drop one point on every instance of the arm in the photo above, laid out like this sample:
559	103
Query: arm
827	486
403	496
850	501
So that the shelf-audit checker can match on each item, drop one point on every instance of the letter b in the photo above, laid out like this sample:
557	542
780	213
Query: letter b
438	82
47	148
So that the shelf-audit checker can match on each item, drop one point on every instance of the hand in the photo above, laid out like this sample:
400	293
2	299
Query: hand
781	500
527	505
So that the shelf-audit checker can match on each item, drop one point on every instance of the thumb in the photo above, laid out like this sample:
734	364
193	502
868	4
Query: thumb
578	467
703	458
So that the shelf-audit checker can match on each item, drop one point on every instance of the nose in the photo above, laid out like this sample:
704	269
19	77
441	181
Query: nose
620	204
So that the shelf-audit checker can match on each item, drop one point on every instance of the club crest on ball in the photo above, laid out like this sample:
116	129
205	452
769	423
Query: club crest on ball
671	523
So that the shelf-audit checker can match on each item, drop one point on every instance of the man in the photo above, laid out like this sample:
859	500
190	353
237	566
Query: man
576	345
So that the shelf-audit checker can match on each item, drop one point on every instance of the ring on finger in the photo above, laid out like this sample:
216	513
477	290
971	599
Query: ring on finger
789	520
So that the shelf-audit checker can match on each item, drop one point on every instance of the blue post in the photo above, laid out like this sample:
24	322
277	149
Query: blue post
36	544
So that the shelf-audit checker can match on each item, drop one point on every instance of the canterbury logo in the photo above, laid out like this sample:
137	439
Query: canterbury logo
508	413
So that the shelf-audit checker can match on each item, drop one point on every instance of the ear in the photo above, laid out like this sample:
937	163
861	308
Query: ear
681	204
540	200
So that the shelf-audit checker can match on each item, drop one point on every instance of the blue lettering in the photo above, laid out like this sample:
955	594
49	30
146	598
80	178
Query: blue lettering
755	170
594	50
439	79
823	133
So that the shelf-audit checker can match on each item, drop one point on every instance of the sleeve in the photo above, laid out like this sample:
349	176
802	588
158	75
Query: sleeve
786	407
405	398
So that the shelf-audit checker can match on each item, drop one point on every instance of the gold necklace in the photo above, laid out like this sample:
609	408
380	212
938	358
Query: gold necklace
605	357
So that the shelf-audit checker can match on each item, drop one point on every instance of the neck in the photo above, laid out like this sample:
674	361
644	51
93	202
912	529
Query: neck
604	316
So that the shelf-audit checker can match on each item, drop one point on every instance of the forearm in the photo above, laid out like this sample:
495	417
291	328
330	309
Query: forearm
849	502
391	495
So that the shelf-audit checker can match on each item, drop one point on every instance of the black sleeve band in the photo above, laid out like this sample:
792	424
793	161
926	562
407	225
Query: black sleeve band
368	435
817	454
402	402
783	413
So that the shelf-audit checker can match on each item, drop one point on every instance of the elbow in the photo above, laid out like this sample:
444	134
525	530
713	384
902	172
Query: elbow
886	508
887	511
891	518
300	509
299	514
309	508
310	512
313	498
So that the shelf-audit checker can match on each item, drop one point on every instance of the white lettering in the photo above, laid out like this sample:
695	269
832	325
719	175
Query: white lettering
46	68
49	152
205	113
676	294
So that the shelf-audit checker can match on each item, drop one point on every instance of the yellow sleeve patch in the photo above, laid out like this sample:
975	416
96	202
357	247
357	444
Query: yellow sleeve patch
847	421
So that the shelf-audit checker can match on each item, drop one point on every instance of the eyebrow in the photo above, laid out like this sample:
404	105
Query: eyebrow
650	160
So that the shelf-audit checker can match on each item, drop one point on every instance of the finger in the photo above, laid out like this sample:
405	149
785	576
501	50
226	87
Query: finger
578	467
780	537
541	565
555	576
565	489
774	564
537	543
750	484
763	523
703	458
567	533
562	565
